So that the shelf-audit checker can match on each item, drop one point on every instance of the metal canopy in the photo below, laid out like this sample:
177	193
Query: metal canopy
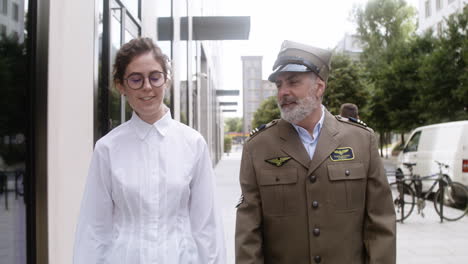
207	28
227	92
227	103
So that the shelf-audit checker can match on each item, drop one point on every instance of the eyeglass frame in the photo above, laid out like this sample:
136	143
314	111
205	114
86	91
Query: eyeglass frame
144	78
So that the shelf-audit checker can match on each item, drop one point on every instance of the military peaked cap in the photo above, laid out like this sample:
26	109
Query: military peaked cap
297	57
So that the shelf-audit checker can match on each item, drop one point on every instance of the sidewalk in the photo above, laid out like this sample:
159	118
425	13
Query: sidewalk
419	240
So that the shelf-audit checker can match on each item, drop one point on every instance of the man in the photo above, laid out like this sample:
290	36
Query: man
313	185
349	110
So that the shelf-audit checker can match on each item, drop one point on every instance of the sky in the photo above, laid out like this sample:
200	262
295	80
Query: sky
320	23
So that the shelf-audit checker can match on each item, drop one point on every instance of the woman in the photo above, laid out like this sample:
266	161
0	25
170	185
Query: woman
149	196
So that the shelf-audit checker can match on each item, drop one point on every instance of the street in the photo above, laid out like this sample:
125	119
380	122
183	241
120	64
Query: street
419	240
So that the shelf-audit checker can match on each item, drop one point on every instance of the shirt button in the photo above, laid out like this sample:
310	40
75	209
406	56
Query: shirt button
317	259
315	204
316	232
313	178
347	173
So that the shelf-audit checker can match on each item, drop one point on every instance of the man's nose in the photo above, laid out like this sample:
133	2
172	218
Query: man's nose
283	90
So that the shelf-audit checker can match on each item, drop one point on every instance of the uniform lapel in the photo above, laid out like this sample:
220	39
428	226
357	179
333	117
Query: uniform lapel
327	142
291	143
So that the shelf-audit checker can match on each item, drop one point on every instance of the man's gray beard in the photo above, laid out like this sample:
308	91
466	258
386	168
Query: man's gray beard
304	108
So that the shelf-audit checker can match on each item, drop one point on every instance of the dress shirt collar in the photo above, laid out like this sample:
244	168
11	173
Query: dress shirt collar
304	134
142	128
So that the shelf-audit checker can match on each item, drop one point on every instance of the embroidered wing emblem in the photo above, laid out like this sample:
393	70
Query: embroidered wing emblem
278	162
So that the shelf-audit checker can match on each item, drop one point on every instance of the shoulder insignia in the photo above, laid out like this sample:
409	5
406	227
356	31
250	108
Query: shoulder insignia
354	121
257	130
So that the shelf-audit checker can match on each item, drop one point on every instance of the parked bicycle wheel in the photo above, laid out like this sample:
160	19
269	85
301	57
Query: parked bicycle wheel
454	201
403	200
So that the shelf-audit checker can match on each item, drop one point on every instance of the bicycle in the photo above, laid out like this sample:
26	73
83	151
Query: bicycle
450	200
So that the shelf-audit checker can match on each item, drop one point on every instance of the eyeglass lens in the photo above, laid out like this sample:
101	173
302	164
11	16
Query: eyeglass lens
137	80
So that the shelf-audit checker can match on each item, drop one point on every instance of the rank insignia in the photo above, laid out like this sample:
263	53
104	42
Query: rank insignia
278	162
241	200
341	154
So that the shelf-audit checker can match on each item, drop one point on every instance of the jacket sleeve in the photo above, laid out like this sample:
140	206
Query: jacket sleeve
380	220
248	238
205	217
94	231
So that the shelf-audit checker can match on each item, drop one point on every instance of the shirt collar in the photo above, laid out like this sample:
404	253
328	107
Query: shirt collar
142	128
304	134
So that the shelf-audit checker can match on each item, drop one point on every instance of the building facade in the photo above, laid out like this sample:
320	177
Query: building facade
350	45
433	12
60	99
255	90
12	18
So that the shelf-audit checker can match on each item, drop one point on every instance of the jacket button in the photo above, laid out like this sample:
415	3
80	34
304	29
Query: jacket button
316	232
347	173
313	178
315	204
317	259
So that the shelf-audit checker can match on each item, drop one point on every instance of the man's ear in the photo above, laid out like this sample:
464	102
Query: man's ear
320	87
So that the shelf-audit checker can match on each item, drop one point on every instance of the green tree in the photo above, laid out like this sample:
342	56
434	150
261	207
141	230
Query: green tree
383	25
346	84
402	83
444	74
267	111
233	124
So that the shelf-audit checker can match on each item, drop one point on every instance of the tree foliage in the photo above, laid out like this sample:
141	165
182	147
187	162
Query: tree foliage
233	124
346	84
384	26
444	74
267	111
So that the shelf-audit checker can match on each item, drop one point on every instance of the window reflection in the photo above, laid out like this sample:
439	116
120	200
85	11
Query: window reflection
13	124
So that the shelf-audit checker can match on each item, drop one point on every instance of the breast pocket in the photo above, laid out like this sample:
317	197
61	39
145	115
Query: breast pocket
348	182
279	191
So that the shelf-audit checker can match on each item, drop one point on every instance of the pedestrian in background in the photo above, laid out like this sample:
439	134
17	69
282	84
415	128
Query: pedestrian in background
149	196
349	110
313	185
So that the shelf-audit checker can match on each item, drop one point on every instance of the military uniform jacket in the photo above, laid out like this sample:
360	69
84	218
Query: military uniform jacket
334	209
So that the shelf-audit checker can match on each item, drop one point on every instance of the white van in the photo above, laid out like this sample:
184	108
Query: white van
446	143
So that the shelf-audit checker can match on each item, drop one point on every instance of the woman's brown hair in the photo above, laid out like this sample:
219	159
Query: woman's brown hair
135	48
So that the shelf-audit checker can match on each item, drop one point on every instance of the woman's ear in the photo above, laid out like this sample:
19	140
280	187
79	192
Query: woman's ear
120	87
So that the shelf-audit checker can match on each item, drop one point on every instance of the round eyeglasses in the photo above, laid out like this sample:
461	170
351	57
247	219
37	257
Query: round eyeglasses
136	80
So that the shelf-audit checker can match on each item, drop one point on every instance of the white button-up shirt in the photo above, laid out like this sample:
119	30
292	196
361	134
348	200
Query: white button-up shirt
149	198
310	142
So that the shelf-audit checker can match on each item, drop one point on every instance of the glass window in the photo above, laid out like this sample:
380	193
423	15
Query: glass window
438	4
413	143
182	72
439	28
15	12
133	6
3	31
14	171
5	7
115	27
115	101
427	6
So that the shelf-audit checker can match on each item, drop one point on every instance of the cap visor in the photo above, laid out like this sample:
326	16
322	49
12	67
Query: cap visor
288	68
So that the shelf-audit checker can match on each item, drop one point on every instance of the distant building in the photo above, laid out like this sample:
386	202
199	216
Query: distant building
251	83
433	12
350	45
255	90
12	18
